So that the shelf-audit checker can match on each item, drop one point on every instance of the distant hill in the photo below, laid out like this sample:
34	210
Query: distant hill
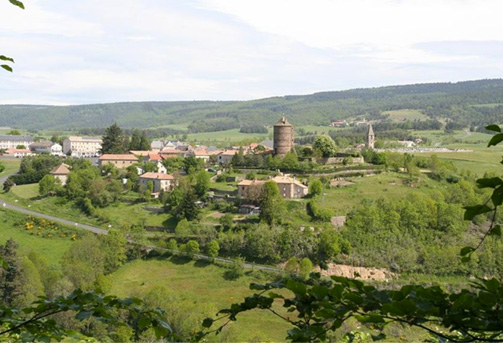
468	103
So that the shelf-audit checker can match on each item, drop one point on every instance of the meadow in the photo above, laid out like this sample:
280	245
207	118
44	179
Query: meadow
12	225
203	286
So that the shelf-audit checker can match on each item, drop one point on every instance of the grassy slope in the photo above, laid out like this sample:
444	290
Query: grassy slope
11	165
203	285
12	226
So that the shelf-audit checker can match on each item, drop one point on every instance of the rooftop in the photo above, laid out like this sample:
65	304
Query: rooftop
157	176
16	138
62	169
118	157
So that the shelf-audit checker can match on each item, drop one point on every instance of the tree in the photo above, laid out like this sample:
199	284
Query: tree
113	140
46	185
290	162
83	262
192	248
36	322
325	145
14	133
212	249
305	267
11	277
315	188
134	143
144	141
202	183
188	209
114	248
183	228
272	206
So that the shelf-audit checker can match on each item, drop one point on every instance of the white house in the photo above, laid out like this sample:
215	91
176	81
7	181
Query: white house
47	147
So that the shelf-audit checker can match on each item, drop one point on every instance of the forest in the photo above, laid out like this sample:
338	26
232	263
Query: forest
469	104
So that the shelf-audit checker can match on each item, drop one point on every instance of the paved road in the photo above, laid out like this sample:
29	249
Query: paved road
97	230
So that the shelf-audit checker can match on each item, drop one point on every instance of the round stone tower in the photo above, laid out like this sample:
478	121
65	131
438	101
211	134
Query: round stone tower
283	137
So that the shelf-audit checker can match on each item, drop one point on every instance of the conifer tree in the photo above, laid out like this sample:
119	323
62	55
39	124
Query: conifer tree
113	140
272	206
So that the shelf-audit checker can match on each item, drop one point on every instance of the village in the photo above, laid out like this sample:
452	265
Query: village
214	159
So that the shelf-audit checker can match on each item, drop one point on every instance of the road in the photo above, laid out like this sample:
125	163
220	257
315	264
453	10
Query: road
100	231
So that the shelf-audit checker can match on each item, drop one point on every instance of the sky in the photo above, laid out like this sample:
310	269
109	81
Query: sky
82	52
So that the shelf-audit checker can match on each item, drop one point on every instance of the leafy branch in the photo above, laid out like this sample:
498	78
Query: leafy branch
34	322
5	58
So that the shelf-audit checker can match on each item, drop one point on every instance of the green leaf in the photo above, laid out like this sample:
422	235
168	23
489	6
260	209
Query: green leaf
495	231
373	318
319	291
143	323
84	315
472	211
17	3
207	322
494	128
496	139
256	287
492	182
497	196
6	67
5	58
296	287
466	250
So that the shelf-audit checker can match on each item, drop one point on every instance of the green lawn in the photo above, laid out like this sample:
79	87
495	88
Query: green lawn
11	165
388	185
198	283
26	191
12	226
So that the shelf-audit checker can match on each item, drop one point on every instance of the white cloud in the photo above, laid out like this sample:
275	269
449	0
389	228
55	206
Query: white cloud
342	23
123	50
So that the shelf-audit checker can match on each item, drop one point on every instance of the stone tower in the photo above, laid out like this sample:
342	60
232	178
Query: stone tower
283	137
370	139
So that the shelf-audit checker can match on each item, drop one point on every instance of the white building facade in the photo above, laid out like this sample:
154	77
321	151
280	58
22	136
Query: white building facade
12	141
82	146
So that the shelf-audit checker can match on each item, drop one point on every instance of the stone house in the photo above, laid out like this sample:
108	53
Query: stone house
289	188
61	172
120	161
161	182
250	189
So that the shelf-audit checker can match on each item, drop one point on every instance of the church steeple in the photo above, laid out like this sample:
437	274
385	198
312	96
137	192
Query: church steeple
370	139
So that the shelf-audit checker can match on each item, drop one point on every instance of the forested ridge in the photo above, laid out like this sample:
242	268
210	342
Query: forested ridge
459	102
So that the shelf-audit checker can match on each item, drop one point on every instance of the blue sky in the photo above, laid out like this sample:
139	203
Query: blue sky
77	52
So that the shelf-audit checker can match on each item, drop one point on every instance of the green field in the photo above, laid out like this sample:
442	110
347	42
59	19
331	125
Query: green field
25	191
11	165
12	226
200	284
228	137
404	115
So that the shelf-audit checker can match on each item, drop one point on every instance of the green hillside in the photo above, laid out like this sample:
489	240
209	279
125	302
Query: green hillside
469	103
